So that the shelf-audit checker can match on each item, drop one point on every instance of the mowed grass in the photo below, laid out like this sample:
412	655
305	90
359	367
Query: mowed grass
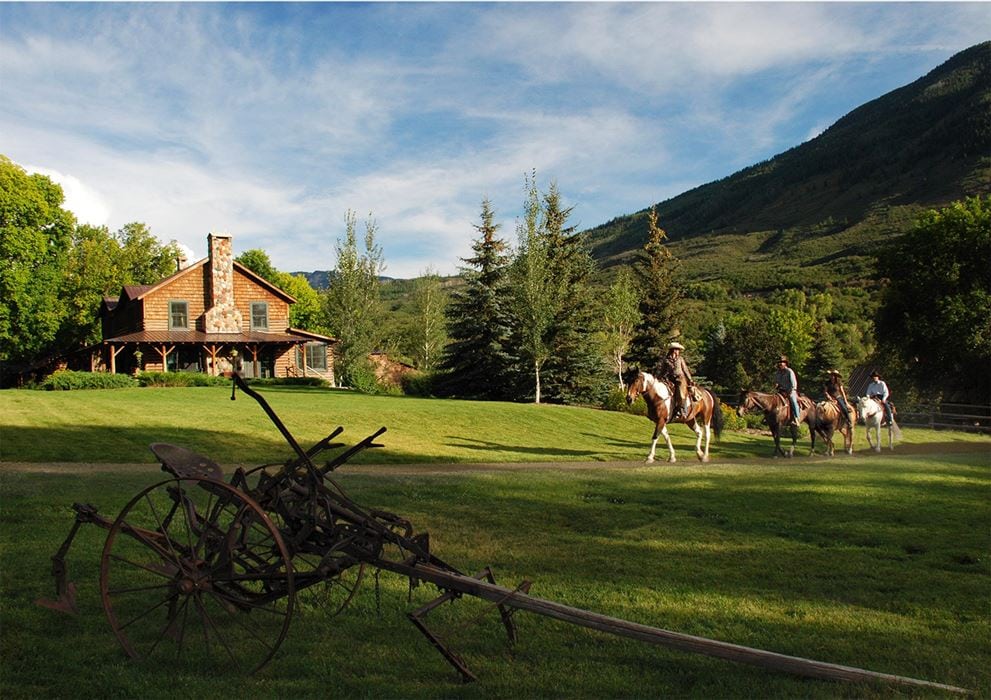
116	426
874	561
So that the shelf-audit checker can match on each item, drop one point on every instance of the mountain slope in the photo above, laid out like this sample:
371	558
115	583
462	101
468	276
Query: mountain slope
822	202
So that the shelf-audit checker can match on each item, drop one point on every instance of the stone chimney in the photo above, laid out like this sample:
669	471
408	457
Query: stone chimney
222	315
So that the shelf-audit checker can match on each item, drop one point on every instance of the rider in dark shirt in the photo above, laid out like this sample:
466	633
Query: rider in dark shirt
674	368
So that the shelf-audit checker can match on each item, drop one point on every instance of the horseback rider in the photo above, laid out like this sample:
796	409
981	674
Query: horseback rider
877	389
835	392
786	382
674	369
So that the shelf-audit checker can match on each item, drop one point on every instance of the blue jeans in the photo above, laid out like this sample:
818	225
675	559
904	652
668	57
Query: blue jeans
793	399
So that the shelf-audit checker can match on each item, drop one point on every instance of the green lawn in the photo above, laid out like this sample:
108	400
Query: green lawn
116	426
874	561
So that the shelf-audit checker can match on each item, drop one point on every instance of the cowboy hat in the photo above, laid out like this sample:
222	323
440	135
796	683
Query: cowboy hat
783	358
834	371
676	346
875	373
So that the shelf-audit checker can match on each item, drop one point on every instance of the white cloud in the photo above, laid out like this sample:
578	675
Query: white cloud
89	206
198	118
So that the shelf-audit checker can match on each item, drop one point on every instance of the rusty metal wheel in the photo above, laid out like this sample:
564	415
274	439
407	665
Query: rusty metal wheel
318	588
195	573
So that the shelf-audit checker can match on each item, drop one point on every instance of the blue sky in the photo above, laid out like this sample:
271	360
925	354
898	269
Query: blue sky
270	121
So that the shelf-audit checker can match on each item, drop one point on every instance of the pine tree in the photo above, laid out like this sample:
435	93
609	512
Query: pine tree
575	370
659	297
476	362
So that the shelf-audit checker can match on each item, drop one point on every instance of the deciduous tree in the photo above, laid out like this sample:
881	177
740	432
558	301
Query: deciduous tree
620	317
35	234
934	322
352	302
537	292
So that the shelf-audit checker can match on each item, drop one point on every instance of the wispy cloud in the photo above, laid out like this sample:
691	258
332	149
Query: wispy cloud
270	121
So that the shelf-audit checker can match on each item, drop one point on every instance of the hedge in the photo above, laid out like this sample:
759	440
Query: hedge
67	379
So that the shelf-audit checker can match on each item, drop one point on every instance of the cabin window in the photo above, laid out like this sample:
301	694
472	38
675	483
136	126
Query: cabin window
259	315
316	356
178	315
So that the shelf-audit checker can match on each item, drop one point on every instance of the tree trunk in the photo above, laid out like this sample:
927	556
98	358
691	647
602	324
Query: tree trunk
536	374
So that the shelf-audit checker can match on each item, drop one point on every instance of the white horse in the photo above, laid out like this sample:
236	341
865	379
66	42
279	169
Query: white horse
871	412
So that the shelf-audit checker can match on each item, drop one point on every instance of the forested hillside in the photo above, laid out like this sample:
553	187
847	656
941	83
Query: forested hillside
813	214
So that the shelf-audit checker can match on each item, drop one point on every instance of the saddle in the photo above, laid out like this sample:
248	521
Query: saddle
692	398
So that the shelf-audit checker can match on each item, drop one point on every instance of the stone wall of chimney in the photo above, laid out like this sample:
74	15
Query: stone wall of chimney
222	316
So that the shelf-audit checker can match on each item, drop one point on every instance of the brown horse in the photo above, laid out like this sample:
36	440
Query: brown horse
829	420
776	415
703	415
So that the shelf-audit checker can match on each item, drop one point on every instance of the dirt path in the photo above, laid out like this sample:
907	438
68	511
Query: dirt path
944	448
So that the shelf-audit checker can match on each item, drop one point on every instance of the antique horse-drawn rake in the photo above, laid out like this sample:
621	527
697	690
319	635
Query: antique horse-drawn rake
198	569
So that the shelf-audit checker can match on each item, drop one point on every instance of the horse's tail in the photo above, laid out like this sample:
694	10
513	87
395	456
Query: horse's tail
717	414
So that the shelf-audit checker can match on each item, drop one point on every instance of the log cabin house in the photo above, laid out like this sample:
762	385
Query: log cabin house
208	317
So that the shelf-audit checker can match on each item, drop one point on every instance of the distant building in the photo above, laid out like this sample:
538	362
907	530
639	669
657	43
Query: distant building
207	317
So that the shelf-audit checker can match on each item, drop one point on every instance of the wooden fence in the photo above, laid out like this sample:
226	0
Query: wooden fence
946	416
939	416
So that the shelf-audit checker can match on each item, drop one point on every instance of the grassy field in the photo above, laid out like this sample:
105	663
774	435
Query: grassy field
874	561
116	426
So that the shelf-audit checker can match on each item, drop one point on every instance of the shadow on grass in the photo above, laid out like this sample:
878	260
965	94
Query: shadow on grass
489	446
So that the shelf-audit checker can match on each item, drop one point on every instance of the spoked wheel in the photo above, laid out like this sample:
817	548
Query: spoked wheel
330	594
195	574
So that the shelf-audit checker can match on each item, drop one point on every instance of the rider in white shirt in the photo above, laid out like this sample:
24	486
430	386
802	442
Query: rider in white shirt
877	389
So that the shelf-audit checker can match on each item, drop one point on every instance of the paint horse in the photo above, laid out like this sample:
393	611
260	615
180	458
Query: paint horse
777	413
829	420
704	415
871	411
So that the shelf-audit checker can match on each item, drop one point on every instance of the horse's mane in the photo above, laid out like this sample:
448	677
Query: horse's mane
652	382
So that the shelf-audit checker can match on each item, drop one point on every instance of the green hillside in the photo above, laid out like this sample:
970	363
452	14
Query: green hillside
814	214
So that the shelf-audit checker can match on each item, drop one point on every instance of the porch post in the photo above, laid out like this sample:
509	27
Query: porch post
114	352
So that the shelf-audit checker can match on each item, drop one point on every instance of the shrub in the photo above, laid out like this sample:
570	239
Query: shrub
418	384
287	381
65	380
731	421
167	379
616	401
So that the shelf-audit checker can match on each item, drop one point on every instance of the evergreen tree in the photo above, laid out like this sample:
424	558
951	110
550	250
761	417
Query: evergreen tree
576	371
659	297
476	362
827	354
